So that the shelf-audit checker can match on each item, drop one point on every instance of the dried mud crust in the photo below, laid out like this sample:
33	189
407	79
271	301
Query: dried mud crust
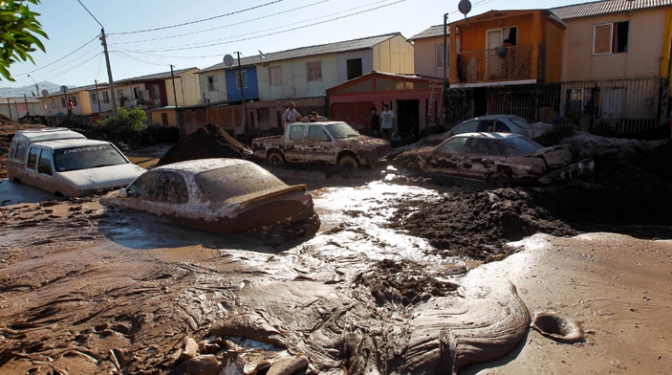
477	225
207	142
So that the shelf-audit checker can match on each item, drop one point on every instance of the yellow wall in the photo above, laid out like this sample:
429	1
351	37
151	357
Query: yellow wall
187	89
156	117
395	55
83	106
553	44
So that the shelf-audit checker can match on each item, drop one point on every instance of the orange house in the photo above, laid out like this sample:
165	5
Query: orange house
506	47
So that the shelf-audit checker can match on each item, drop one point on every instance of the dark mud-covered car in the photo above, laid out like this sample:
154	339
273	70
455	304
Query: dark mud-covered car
330	142
222	195
498	158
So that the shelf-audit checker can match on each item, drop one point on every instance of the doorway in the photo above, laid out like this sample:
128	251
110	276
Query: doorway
408	117
480	101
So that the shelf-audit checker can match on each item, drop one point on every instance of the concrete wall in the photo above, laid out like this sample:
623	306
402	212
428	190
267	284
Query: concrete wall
34	107
252	89
643	58
394	55
219	94
342	63
295	78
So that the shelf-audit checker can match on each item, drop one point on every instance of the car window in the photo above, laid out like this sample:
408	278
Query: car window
501	127
452	146
296	132
159	186
20	150
486	125
523	146
32	158
85	157
341	130
520	122
44	165
468	127
12	150
218	185
505	149
317	133
479	146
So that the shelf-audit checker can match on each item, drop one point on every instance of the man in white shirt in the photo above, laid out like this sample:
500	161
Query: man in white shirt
291	115
386	122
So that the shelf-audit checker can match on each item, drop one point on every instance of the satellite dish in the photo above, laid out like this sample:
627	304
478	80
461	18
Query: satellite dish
464	7
45	93
64	89
228	60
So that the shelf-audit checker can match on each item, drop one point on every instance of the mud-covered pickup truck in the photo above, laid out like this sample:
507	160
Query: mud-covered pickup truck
331	142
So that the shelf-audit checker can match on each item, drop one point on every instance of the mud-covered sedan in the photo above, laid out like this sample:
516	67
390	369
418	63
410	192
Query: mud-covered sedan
498	158
221	195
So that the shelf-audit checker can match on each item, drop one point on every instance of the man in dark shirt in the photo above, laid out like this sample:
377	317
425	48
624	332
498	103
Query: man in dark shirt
375	123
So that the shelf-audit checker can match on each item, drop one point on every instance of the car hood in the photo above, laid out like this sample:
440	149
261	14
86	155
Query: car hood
413	155
104	177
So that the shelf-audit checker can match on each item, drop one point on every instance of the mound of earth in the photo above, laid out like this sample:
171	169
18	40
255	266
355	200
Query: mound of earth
478	224
205	143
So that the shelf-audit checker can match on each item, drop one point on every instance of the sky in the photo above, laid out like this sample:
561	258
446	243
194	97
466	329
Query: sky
267	28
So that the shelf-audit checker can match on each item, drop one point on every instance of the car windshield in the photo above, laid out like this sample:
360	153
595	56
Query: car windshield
520	122
86	157
218	185
341	130
523	145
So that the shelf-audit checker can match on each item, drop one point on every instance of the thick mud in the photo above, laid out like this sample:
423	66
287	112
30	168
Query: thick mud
205	143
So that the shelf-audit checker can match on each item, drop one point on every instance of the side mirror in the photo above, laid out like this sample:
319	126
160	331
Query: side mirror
123	193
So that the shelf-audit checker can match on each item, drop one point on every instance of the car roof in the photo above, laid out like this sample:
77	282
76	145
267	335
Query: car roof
492	117
486	135
65	143
194	167
40	135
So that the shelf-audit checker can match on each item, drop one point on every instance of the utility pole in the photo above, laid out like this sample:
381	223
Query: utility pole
172	76
25	99
9	108
98	96
242	93
445	68
37	87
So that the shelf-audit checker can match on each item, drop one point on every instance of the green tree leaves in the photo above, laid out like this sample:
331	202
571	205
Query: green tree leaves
19	31
133	120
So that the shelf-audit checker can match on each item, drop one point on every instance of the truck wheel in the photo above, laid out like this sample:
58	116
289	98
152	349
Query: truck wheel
348	161
275	158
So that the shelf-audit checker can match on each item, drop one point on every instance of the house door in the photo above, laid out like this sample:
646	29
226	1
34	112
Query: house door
95	107
492	67
408	117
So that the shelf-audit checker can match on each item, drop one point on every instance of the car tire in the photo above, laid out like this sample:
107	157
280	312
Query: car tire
348	161
275	158
499	180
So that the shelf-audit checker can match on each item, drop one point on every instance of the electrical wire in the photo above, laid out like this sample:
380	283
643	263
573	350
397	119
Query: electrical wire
198	21
135	58
168	49
54	62
225	26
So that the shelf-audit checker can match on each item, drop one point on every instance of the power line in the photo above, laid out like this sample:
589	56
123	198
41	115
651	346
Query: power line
135	58
97	49
273	33
225	26
279	27
198	21
54	62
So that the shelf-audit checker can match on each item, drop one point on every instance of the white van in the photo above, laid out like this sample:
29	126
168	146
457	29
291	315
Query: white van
66	163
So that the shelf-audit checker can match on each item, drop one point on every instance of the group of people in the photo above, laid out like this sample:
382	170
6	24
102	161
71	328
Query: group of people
381	126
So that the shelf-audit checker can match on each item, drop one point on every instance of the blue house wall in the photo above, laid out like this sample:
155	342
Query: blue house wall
252	89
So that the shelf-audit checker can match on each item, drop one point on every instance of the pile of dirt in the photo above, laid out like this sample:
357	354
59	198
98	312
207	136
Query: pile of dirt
207	142
403	283
477	225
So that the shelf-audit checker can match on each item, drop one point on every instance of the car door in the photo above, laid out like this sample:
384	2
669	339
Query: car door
319	146
447	157
480	158
31	176
45	172
295	142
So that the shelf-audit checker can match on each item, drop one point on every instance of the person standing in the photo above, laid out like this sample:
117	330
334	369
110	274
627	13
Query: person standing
375	123
291	115
387	122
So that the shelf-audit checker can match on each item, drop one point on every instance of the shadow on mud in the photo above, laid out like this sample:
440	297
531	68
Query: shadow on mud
509	357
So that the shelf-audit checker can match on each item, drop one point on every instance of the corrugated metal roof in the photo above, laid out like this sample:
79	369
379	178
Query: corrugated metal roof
432	32
71	90
345	46
606	7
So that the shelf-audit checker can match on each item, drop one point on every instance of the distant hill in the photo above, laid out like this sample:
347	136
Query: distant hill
13	92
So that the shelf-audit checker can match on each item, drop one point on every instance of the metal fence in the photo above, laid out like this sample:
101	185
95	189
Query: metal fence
618	106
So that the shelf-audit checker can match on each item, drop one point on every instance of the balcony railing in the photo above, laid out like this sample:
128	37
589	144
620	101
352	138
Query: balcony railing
495	65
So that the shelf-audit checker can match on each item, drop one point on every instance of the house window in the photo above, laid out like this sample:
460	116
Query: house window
244	80
94	98
495	38
611	38
44	104
354	67
156	92
106	97
439	54
276	75
63	103
53	103
73	99
314	71
135	93
120	94
212	83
